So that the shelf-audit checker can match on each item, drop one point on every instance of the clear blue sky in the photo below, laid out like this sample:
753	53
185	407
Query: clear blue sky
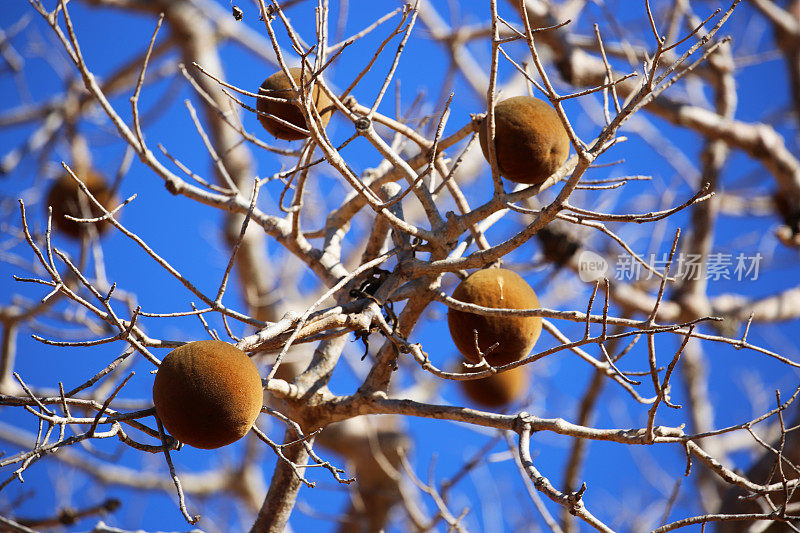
189	236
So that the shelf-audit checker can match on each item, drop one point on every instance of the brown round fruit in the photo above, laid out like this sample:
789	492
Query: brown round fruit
207	393
67	198
278	86
497	390
514	335
530	140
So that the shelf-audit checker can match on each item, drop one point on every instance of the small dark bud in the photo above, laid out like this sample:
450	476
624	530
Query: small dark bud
362	124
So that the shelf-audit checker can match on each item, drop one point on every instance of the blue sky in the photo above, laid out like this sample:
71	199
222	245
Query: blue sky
189	236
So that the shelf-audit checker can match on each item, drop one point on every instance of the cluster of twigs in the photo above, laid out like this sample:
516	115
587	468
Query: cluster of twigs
404	197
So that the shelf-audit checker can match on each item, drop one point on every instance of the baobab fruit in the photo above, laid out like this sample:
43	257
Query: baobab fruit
67	198
788	209
278	86
207	393
498	389
530	140
559	244
501	339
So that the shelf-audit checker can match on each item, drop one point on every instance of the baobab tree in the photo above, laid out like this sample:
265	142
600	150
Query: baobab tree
660	393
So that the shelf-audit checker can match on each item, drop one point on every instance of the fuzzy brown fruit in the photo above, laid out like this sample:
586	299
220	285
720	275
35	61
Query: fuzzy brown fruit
530	140
497	390
207	393
67	198
515	336
278	86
